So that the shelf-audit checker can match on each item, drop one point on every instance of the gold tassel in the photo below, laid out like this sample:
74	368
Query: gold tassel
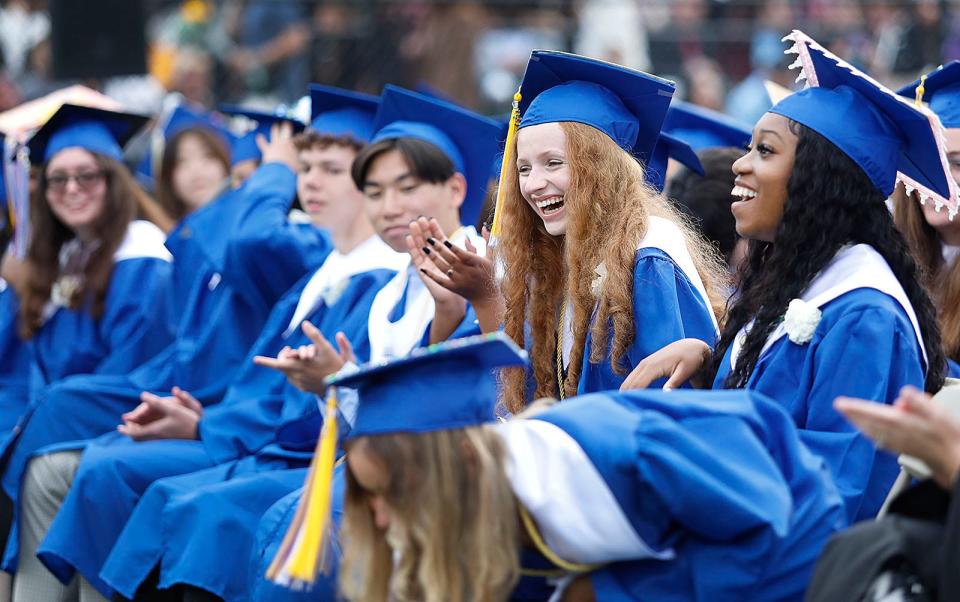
303	550
921	90
507	163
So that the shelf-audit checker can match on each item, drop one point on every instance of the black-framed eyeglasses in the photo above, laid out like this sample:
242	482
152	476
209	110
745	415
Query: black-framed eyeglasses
85	180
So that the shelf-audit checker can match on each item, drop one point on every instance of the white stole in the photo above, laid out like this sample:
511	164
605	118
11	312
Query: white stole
664	235
333	276
853	267
390	340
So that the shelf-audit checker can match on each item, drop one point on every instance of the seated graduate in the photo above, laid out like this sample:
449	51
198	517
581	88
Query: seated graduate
334	300
91	299
830	300
933	238
442	504
589	248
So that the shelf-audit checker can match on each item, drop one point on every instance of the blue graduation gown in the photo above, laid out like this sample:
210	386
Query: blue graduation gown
864	346
667	307
82	536
953	369
14	361
716	497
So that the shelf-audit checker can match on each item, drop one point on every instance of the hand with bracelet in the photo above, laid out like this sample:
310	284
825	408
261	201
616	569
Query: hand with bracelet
678	362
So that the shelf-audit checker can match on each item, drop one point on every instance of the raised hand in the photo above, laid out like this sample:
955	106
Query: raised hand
279	148
678	362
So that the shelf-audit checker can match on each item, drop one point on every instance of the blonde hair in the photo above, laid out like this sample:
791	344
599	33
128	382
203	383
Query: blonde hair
453	521
942	281
608	202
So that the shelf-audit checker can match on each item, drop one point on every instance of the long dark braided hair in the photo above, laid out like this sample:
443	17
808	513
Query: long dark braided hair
830	203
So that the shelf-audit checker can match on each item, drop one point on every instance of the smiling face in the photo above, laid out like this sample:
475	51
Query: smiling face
762	177
198	173
395	196
544	173
75	187
324	186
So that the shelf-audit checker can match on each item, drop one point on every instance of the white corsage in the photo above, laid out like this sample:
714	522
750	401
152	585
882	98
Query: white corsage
801	321
601	277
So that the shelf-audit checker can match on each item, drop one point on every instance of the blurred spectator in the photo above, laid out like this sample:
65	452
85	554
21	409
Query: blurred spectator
22	26
921	46
613	30
270	57
705	82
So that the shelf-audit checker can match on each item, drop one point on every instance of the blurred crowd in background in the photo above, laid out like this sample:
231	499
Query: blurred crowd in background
263	52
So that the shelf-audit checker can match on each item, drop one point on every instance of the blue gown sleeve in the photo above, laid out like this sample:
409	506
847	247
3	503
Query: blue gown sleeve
267	253
134	325
666	308
953	369
868	353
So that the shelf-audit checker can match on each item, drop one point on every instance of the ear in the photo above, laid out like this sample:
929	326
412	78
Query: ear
457	186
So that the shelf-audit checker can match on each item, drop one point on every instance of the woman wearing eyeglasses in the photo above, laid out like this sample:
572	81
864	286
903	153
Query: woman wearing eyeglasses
91	301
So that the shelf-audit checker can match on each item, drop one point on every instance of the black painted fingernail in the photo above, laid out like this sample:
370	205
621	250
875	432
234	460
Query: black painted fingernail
431	241
447	242
423	270
426	250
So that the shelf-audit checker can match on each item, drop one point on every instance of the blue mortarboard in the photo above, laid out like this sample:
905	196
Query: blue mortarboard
627	105
338	112
702	128
444	386
886	135
96	130
244	147
468	139
941	92
670	147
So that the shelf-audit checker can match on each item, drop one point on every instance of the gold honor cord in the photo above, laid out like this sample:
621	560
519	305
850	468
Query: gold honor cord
561	381
506	163
550	555
303	549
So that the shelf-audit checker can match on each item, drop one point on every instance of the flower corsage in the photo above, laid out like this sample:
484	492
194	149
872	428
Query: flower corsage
800	321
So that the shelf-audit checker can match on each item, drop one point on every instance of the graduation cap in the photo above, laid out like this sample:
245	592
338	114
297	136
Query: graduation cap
253	123
445	386
628	106
703	128
96	130
889	137
941	91
338	112
670	147
469	140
